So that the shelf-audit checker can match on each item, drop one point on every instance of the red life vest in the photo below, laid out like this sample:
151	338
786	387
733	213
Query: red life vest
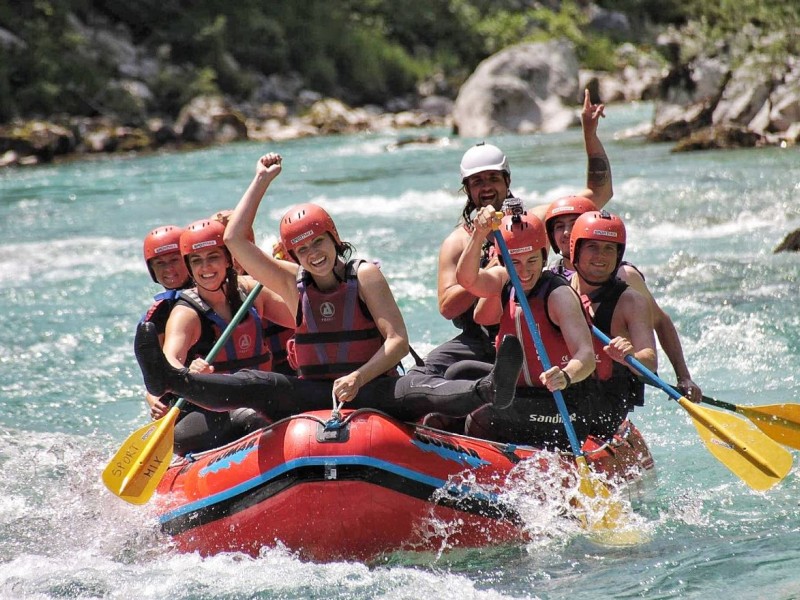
277	337
335	334
246	348
513	322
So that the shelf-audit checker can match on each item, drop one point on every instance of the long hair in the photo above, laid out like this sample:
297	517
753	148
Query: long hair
470	206
232	295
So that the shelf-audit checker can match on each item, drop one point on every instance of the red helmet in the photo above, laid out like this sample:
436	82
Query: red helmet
601	226
162	240
305	222
223	216
568	205
202	234
524	233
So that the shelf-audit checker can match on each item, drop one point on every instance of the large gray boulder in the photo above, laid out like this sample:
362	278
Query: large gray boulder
522	89
210	120
745	85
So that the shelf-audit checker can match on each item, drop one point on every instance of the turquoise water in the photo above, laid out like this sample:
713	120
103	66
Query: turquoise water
72	286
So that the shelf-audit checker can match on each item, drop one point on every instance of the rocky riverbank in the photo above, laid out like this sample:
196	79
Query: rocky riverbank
206	120
744	93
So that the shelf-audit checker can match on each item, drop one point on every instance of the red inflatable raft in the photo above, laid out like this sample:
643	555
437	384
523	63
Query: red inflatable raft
359	487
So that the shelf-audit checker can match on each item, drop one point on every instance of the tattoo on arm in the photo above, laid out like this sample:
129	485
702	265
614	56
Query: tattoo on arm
598	170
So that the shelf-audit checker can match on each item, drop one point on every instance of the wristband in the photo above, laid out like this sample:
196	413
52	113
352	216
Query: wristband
568	378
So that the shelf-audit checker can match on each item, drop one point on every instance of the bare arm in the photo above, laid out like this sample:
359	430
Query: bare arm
489	310
666	332
598	176
277	275
636	318
479	282
270	305
671	344
566	312
182	332
376	294
453	298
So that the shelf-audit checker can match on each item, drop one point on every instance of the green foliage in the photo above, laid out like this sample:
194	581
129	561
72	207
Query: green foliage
642	12
567	23
56	70
597	53
726	17
176	86
594	51
503	29
358	50
773	26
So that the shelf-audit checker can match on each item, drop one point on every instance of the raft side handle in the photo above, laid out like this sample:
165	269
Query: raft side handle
333	431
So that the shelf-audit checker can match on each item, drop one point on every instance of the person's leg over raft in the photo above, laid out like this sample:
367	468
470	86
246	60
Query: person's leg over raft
408	398
273	395
415	395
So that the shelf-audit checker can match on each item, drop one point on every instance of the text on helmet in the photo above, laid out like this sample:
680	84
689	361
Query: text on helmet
605	233
166	248
204	244
302	236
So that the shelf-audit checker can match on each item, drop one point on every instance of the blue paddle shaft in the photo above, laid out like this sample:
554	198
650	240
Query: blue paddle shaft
644	371
537	341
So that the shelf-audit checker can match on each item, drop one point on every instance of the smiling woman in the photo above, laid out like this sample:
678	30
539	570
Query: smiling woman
196	322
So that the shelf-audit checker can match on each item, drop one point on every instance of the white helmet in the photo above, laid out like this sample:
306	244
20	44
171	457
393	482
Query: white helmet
483	157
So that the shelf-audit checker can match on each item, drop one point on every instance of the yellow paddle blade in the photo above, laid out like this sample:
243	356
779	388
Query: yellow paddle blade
137	468
605	517
781	422
746	451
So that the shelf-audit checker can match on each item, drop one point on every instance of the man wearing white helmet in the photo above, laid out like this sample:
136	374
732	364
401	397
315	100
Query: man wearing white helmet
486	177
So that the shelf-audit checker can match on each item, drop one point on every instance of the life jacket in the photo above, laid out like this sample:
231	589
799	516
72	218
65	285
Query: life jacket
613	378
335	334
277	337
606	298
158	313
246	346
513	322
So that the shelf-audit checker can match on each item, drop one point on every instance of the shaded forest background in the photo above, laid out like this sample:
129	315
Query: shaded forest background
359	51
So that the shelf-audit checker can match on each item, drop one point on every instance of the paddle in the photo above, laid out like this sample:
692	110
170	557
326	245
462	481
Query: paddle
142	460
589	486
748	453
781	422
